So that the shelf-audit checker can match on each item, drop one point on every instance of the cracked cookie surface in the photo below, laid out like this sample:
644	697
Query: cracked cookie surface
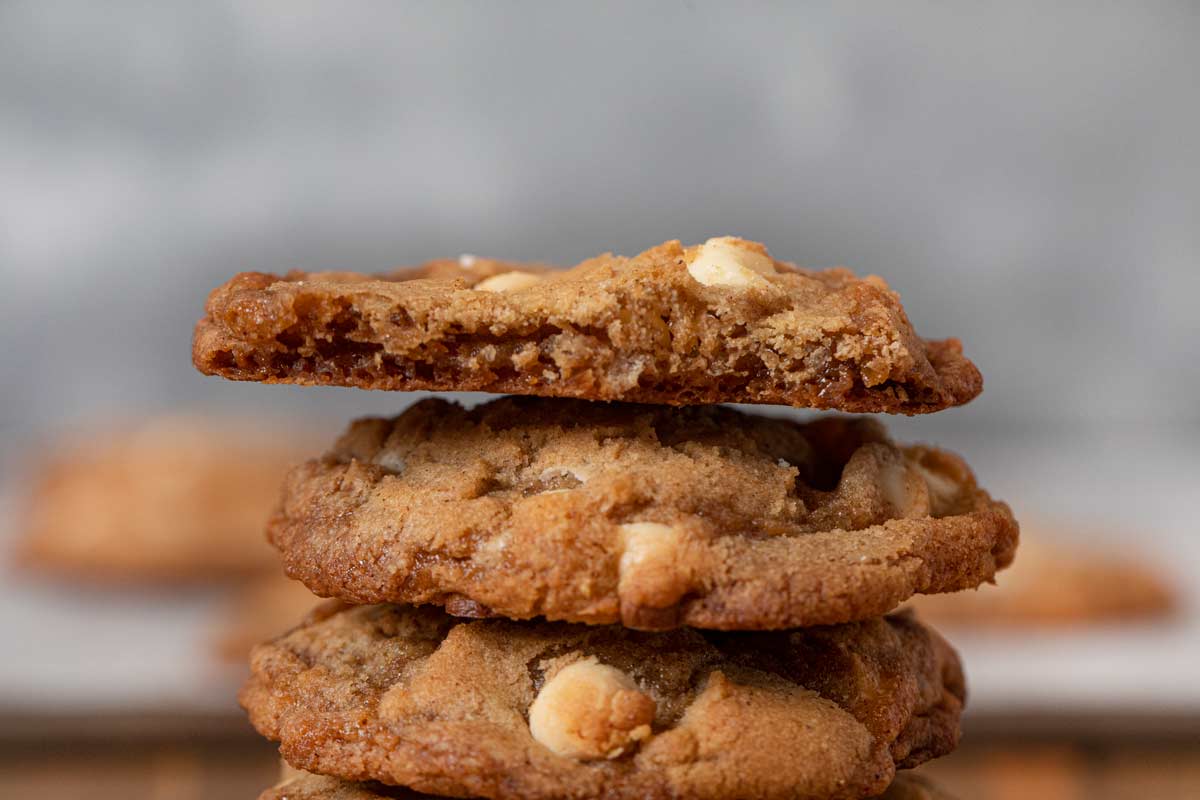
652	516
414	697
712	323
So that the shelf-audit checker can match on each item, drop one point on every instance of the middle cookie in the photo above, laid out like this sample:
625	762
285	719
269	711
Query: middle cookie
651	516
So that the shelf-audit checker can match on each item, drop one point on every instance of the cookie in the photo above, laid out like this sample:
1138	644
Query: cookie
653	516
262	608
713	323
318	787
410	696
171	498
1055	583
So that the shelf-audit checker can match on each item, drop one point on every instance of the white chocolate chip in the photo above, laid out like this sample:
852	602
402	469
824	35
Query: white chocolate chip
902	487
729	261
508	281
561	479
497	544
650	572
942	487
550	473
588	710
647	544
390	461
893	483
943	491
467	261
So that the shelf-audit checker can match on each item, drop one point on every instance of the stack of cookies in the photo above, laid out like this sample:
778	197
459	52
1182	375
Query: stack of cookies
606	586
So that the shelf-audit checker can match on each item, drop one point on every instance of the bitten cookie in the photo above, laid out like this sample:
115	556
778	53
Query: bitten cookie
712	323
498	709
318	787
649	515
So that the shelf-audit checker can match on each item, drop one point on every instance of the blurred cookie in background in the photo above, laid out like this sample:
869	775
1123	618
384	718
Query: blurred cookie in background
1060	580
179	498
911	786
261	609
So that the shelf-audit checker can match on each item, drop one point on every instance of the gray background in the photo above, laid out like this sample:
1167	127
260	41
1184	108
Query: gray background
1027	175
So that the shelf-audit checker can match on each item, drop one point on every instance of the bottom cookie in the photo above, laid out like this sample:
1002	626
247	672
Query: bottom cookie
536	711
318	787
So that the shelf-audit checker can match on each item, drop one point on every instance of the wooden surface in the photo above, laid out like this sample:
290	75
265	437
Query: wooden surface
239	766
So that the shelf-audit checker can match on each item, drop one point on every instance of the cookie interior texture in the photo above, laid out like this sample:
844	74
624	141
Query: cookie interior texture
414	697
642	329
318	787
653	516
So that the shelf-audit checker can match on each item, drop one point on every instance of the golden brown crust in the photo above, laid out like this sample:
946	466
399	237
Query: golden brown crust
649	515
169	499
413	697
639	329
318	787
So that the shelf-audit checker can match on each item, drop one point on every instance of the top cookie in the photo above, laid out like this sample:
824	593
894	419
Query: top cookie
713	323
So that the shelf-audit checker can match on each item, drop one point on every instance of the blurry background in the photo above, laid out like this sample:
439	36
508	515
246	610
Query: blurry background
1027	175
